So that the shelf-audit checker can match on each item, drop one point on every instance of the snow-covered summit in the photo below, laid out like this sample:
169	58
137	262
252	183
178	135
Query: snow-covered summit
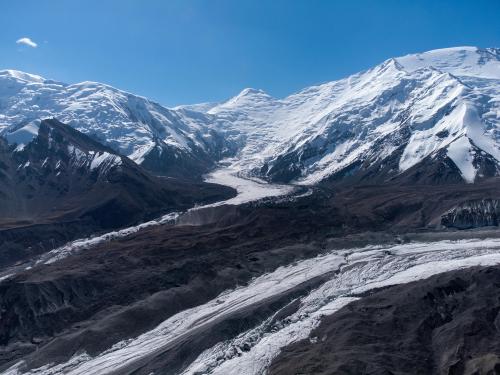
246	98
22	76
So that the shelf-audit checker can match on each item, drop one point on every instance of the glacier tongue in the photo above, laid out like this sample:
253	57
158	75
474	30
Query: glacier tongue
249	189
364	270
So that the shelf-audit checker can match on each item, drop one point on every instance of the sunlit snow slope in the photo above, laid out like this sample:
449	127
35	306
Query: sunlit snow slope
435	105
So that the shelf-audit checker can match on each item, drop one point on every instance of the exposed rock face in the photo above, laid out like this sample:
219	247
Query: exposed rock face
447	324
473	214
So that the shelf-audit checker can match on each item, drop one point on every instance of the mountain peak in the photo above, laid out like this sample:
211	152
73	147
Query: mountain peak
251	94
123	121
251	91
389	65
248	97
27	77
404	103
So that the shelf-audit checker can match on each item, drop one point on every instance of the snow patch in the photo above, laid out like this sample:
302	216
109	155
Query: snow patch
105	161
462	154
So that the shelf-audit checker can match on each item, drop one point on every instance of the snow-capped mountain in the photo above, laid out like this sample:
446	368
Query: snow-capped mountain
439	107
173	142
428	117
63	172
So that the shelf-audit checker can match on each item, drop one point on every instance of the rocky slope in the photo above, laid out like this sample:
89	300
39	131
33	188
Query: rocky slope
64	178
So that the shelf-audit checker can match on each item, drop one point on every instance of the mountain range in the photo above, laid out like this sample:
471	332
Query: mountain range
423	117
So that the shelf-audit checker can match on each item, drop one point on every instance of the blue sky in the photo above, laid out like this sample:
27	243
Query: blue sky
188	51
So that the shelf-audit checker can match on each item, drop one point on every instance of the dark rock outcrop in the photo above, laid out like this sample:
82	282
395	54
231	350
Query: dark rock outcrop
473	214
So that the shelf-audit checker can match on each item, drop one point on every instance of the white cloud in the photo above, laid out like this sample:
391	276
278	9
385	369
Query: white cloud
27	42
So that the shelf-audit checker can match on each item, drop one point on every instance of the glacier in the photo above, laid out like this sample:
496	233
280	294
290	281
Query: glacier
348	273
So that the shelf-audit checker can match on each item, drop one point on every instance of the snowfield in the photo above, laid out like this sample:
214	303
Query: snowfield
358	270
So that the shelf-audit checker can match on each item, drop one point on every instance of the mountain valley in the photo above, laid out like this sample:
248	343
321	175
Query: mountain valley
254	235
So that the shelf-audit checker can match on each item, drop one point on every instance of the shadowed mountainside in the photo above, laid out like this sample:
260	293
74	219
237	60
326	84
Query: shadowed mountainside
64	185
